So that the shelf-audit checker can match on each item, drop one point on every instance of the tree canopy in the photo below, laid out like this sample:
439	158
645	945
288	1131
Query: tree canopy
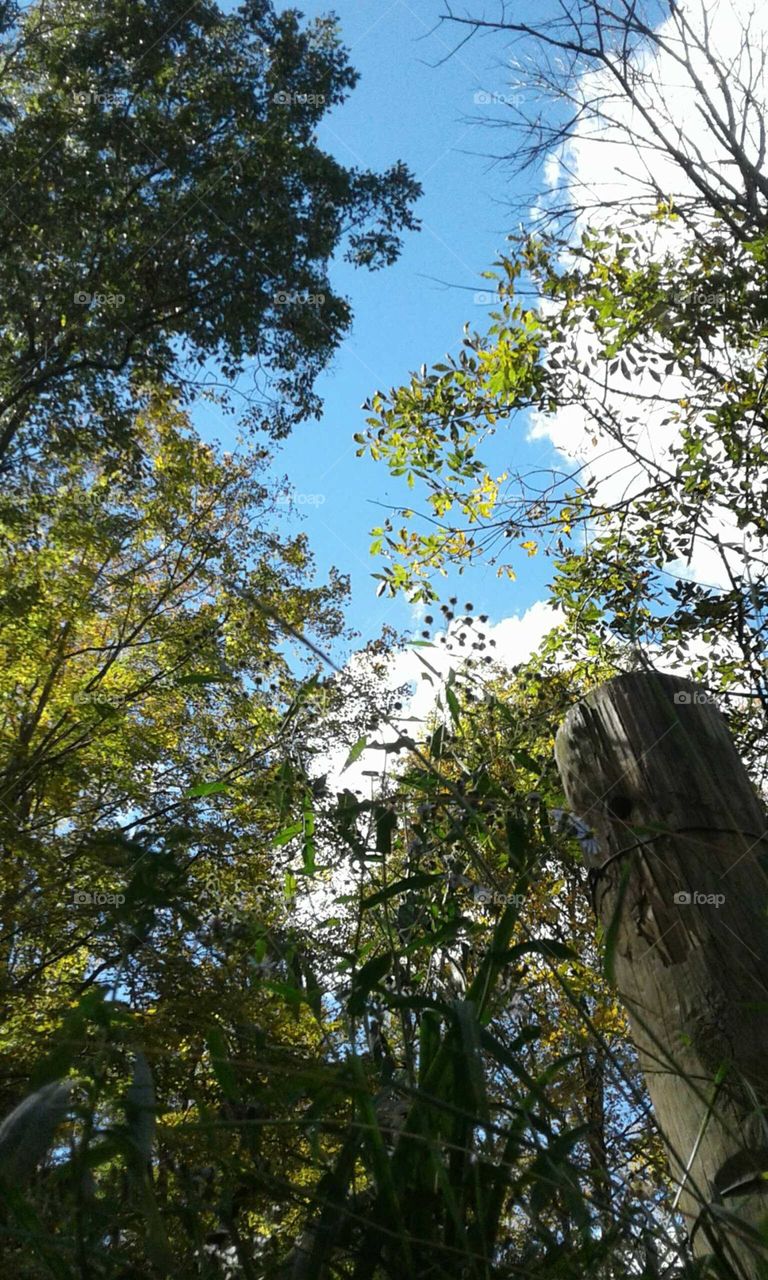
170	211
259	1021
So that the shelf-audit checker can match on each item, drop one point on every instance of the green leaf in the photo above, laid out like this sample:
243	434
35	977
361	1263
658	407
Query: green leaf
542	946
366	979
418	1002
356	752
220	1062
294	995
35	1234
612	932
429	1042
524	758
308	843
381	1164
517	839
401	886
469	1074
205	789
289	833
27	1134
204	677
386	822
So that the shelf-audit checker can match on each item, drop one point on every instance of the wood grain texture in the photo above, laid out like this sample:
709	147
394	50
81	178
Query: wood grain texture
678	877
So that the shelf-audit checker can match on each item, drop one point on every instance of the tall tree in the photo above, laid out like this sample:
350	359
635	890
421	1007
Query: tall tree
648	339
674	94
136	832
167	204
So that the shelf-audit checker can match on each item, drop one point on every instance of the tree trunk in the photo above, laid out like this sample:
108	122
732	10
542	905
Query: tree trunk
678	877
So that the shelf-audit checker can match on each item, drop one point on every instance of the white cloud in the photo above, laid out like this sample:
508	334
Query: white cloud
516	638
611	166
614	155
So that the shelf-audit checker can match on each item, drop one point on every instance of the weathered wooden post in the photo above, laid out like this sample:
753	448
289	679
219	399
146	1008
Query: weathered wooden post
679	881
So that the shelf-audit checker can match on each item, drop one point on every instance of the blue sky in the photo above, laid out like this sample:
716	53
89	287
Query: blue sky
409	107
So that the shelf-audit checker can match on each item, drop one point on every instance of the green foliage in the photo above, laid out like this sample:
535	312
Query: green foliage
661	347
253	1025
171	206
27	1133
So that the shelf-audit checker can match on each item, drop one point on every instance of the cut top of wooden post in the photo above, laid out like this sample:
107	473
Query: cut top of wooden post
646	753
